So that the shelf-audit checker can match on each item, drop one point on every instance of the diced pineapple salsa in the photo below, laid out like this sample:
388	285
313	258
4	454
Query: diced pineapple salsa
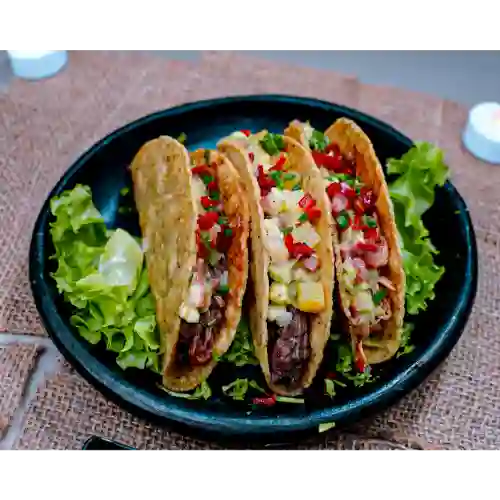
363	248
291	239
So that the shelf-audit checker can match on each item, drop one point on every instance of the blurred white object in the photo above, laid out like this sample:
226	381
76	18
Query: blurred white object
36	64
482	132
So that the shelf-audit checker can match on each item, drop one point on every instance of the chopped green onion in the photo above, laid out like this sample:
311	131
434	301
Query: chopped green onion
287	230
326	426
303	217
379	296
289	177
207	179
318	141
286	399
215	195
228	232
272	144
222	220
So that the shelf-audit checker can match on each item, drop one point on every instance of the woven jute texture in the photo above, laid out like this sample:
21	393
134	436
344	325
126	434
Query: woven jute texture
44	126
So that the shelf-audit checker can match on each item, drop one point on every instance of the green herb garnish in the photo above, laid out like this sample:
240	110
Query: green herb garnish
124	191
318	141
287	230
224	289
238	388
379	296
272	144
182	138
241	352
203	391
326	426
343	221
370	221
286	399
303	217
406	347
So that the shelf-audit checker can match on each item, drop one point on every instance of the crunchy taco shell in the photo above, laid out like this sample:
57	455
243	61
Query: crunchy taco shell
237	150
353	142
165	199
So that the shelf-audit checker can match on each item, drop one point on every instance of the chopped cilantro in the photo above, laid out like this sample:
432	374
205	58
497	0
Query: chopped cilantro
272	144
124	191
318	141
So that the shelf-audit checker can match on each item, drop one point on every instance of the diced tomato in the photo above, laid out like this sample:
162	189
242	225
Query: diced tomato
201	170
332	147
251	156
366	246
333	163
246	132
212	186
371	234
358	224
207	202
347	190
208	220
289	242
265	182
313	213
333	189
301	250
306	202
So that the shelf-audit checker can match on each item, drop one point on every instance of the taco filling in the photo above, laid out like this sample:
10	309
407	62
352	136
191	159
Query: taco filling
203	312
364	271
296	294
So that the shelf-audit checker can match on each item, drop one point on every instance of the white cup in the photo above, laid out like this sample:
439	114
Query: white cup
37	64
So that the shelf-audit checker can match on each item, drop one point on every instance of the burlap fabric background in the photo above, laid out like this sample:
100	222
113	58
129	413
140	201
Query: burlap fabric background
44	126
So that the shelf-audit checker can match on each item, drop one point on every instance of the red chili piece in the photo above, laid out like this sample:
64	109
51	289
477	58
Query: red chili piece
207	202
208	220
266	401
251	156
246	132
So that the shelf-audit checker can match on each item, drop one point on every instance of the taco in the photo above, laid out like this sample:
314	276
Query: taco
292	256
369	266
194	219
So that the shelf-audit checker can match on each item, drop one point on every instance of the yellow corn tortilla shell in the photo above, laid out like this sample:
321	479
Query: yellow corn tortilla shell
302	163
162	180
350	138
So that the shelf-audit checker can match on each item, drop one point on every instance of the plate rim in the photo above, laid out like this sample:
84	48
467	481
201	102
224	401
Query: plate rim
129	397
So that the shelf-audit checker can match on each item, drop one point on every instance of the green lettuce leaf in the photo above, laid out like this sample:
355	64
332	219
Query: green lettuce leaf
419	172
102	274
241	352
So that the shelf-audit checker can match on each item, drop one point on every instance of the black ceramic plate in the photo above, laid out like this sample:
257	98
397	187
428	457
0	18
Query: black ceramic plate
103	167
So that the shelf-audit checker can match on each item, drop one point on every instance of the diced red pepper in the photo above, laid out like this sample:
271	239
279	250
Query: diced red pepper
246	132
288	239
366	246
265	182
266	401
208	220
333	189
201	170
251	156
306	202
300	250
279	164
212	186
207	202
313	213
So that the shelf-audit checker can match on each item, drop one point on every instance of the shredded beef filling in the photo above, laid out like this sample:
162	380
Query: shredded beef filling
196	340
289	348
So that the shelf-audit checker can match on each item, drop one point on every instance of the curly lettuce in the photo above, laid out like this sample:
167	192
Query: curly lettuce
419	171
102	274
